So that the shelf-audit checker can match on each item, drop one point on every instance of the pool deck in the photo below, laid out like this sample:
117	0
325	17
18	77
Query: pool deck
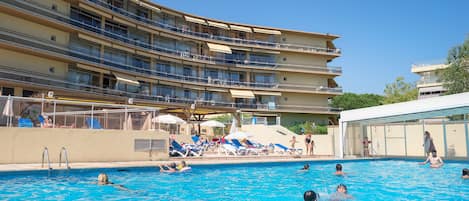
206	160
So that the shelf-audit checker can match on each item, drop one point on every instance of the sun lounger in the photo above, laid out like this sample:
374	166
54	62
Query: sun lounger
184	151
238	145
25	123
229	149
176	149
93	123
284	149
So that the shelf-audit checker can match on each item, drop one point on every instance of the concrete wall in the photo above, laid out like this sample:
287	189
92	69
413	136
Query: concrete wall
304	39
25	145
303	99
33	63
407	139
37	30
302	79
301	59
62	6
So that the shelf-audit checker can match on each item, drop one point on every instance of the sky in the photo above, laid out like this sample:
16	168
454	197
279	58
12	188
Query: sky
380	40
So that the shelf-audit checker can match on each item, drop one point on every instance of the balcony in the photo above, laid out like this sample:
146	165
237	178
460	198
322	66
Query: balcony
82	57
17	76
36	9
233	41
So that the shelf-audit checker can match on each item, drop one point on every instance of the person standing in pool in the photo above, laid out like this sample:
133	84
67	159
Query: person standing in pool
310	196
341	193
428	145
465	173
435	161
338	170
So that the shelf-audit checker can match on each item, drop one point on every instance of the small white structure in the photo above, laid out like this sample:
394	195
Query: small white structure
168	119
456	104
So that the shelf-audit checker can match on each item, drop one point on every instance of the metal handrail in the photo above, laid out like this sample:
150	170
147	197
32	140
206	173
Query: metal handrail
64	150
210	36
182	54
45	153
112	64
38	80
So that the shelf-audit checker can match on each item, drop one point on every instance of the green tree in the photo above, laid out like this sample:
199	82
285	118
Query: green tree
399	91
456	77
349	101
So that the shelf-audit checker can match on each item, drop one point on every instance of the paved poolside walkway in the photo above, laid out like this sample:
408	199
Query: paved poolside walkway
206	160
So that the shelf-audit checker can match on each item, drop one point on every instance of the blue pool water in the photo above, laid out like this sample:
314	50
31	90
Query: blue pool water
368	180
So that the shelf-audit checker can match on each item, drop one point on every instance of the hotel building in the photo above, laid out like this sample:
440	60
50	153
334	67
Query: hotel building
138	52
429	85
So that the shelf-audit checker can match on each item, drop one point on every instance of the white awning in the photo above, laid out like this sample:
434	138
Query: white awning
217	24
241	28
242	94
267	31
195	20
219	48
267	93
126	78
143	4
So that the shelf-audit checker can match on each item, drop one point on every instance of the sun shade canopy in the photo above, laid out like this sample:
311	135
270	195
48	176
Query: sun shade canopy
219	48
267	31
242	94
195	20
217	24
241	28
126	79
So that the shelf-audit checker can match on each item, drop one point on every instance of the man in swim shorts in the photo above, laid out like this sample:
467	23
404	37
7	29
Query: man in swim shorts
435	161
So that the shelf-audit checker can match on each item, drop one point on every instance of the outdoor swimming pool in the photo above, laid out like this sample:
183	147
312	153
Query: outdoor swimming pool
368	180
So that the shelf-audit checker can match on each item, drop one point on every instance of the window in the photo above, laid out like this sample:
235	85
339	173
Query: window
187	94
208	95
85	18
142	13
116	3
116	28
187	71
8	91
27	93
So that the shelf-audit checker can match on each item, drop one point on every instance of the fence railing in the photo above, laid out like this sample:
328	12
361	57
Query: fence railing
186	31
26	40
159	47
28	77
42	112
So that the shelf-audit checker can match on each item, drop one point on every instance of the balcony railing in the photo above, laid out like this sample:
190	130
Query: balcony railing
235	41
27	77
160	48
9	35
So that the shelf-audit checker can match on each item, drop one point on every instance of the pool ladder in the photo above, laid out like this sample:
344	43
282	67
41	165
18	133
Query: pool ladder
64	151
45	153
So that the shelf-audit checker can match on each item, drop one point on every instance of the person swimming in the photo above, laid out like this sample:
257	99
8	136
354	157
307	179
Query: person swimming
465	173
305	167
172	167
183	167
338	170
341	193
435	161
310	196
103	179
